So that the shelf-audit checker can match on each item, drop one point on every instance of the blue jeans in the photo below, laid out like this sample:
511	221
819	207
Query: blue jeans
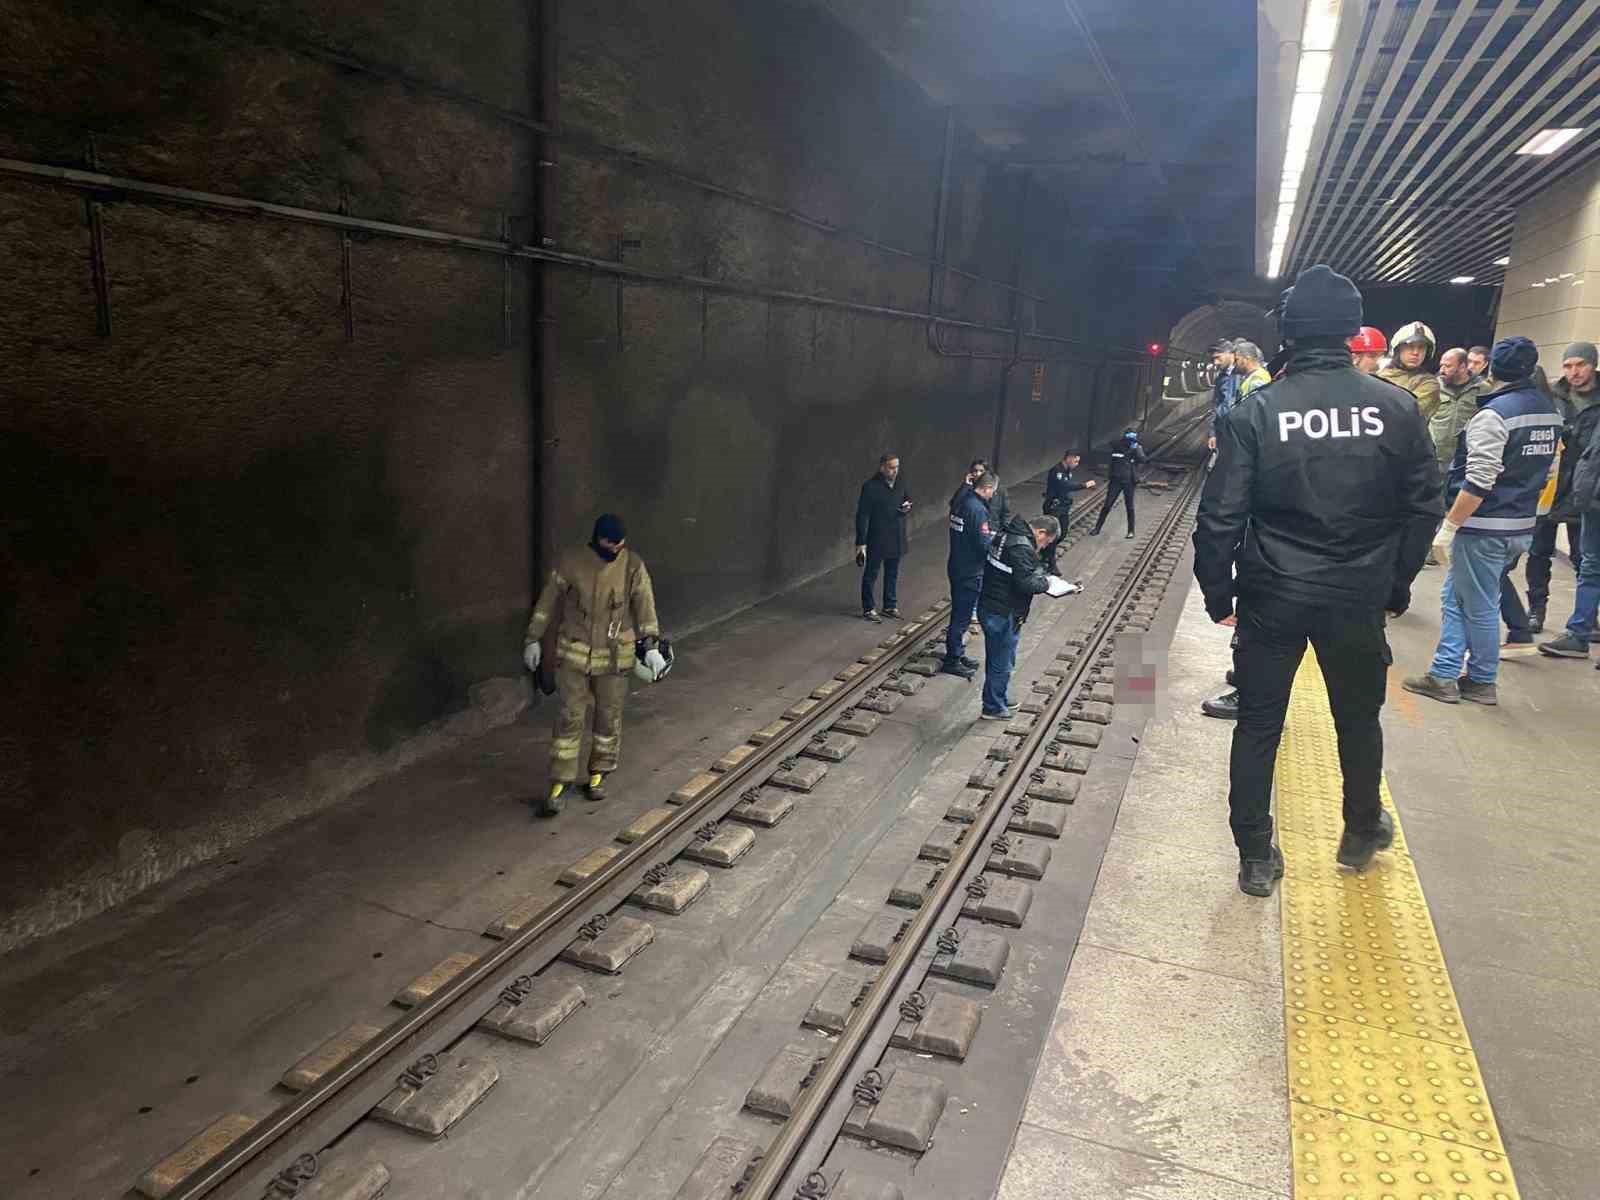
1469	629
1584	612
1000	637
963	600
869	581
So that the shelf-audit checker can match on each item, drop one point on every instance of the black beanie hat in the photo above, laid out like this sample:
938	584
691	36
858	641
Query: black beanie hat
609	526
1322	303
1513	359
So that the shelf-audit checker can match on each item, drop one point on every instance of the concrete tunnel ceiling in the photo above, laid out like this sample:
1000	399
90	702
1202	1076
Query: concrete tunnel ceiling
1175	192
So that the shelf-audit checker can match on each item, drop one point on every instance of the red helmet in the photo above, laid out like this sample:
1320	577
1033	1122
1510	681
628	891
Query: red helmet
1368	341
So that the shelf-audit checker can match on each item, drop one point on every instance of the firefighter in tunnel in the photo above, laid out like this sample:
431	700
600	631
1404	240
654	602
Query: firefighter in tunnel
601	604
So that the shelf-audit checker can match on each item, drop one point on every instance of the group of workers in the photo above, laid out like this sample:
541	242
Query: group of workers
1333	485
1339	471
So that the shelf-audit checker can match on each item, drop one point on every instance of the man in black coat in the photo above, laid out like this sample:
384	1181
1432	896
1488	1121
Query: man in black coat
1321	508
881	535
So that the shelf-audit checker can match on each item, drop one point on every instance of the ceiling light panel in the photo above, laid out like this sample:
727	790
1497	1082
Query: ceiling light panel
1548	141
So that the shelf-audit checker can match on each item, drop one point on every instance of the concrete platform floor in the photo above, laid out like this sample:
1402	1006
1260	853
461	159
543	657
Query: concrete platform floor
1165	1071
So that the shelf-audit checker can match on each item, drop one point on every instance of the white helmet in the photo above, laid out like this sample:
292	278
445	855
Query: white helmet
649	672
1414	332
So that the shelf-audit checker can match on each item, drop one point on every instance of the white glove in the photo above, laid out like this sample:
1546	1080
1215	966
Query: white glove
1060	587
655	662
1444	541
531	653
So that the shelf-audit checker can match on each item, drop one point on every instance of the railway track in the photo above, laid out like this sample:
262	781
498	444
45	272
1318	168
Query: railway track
277	1155
795	1162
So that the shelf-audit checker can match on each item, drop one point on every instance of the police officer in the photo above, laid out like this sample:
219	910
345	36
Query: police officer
1316	520
970	531
601	603
1012	577
1126	456
1058	488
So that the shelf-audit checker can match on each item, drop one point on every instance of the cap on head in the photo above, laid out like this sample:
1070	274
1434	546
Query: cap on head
608	527
1322	303
1513	359
1583	350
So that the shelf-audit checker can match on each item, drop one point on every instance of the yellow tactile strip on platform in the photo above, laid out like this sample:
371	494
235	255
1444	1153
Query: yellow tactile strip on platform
1386	1100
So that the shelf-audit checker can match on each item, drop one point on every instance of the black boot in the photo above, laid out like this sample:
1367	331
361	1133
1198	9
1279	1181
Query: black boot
1536	620
1356	850
954	666
1258	876
1224	707
970	664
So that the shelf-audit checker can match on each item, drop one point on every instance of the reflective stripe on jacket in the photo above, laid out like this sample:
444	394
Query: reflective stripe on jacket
1505	455
599	609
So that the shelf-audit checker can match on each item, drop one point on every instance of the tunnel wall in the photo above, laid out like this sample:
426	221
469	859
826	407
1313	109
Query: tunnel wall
274	535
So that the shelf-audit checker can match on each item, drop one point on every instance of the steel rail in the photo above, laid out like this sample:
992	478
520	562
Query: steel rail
803	1142
343	1096
316	1117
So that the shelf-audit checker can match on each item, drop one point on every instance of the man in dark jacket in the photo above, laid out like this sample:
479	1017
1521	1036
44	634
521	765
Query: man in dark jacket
1578	391
1058	488
1012	577
1503	457
881	535
970	532
1316	520
1126	457
999	503
1224	389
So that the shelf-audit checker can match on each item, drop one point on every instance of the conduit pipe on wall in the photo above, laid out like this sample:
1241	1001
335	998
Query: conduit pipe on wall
547	187
114	188
545	124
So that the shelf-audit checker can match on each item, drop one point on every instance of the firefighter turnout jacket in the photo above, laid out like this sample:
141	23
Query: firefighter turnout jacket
599	609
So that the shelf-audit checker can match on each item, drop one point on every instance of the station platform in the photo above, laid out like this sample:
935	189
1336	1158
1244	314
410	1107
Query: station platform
1428	1029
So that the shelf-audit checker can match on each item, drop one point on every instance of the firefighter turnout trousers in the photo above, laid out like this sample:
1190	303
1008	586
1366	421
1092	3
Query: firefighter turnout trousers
606	694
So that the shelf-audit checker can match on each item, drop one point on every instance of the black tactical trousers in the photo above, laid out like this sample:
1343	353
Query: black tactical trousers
1540	556
1353	654
1115	488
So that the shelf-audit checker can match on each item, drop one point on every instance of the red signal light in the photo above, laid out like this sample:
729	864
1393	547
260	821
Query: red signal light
1155	347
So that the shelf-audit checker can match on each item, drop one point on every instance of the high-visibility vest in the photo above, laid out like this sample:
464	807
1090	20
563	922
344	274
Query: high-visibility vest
1547	498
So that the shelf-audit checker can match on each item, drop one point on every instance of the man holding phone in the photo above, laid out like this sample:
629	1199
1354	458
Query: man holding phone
881	515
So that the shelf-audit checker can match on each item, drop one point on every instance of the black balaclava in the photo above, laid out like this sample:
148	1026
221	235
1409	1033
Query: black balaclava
608	526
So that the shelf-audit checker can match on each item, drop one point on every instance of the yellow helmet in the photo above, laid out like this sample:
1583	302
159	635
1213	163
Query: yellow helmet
1414	332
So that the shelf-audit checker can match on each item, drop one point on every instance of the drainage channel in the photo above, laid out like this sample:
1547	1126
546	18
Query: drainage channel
850	1091
355	1075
